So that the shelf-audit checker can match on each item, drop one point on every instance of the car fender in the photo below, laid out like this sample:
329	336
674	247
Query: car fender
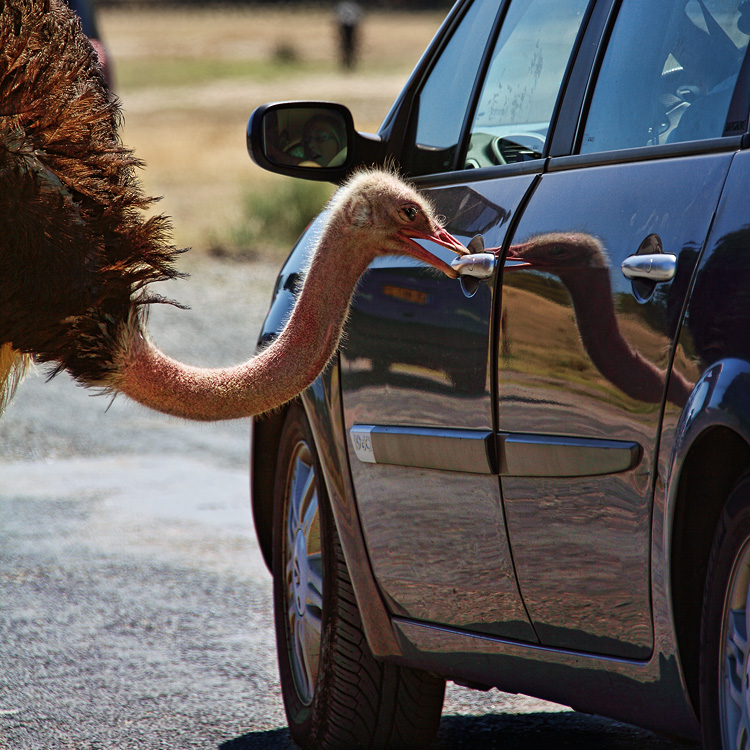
322	402
323	407
721	397
265	429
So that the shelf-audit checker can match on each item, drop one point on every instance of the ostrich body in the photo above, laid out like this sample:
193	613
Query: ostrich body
75	248
77	253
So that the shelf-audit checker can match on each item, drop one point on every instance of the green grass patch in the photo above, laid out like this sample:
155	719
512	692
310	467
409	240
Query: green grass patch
274	216
133	74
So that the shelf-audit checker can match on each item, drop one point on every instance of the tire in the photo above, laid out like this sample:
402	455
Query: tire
337	696
725	629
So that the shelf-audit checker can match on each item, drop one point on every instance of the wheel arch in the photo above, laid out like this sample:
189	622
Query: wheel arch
711	454
265	432
322	405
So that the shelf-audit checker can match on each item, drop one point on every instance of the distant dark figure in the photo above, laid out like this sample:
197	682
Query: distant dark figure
348	16
84	9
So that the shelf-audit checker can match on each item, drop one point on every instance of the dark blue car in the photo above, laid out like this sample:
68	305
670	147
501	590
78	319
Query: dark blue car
534	477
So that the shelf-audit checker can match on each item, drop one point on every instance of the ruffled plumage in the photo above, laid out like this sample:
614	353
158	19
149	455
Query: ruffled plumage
76	248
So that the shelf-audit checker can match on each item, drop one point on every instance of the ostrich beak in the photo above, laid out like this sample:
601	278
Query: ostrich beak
518	260
440	237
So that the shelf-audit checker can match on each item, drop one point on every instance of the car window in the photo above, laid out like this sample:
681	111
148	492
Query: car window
444	97
668	74
523	80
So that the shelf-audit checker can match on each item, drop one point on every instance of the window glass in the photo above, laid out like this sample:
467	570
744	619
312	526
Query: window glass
668	74
520	91
444	98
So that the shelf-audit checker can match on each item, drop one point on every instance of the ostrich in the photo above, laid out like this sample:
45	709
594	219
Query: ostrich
374	214
580	262
77	254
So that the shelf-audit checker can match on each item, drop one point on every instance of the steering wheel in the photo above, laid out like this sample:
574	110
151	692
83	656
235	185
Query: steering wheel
512	148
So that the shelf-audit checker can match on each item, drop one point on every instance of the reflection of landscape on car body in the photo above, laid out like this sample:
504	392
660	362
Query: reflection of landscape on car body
415	330
465	576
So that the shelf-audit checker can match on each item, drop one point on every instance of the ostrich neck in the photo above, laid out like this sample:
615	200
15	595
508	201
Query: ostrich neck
600	333
272	377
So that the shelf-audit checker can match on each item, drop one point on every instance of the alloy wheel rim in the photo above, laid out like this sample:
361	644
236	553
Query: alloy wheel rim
303	565
734	656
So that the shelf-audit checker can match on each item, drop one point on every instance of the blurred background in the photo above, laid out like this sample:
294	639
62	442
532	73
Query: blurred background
189	74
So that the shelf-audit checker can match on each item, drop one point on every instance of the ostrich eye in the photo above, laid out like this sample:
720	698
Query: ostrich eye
410	212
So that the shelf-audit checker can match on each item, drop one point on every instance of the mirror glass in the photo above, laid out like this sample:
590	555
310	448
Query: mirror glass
305	137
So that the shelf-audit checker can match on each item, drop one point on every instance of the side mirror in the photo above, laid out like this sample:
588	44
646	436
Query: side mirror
312	140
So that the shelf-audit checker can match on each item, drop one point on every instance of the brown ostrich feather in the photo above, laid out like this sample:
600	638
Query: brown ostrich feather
76	249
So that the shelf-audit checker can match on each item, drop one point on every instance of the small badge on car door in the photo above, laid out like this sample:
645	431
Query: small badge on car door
362	442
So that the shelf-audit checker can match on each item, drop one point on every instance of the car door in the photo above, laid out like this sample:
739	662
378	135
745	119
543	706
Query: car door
593	286
418	364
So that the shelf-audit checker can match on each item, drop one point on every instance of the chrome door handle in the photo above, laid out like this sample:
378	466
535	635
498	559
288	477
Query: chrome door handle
476	265
650	267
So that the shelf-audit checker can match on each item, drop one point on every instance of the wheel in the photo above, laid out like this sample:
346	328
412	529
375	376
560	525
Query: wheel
725	629
337	696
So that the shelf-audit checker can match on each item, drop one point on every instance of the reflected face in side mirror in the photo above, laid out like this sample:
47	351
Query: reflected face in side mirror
323	139
305	137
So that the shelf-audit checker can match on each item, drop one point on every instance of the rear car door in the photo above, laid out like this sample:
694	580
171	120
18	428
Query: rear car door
586	343
418	366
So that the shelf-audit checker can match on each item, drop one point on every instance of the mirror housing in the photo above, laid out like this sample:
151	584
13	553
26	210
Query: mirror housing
312	140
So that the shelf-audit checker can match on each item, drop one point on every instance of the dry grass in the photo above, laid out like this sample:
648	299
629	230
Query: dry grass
188	80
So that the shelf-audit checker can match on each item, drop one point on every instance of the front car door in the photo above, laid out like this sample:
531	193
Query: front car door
418	364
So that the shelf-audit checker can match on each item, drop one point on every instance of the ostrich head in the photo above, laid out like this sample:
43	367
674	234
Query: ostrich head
558	252
379	214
